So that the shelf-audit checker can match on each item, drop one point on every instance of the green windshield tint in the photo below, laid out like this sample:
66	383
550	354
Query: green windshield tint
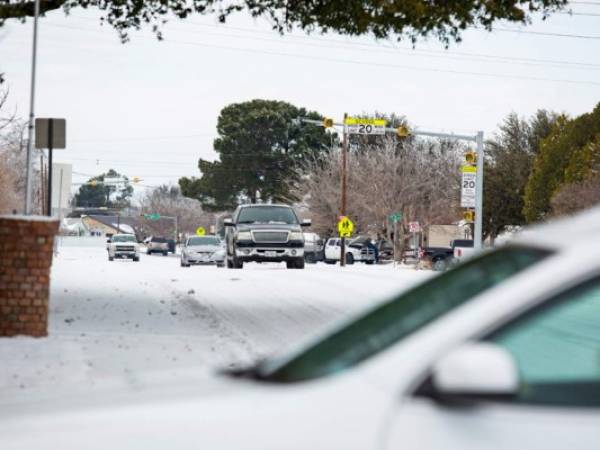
403	315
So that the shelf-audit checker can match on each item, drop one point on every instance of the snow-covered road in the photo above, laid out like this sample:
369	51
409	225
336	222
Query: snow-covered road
116	322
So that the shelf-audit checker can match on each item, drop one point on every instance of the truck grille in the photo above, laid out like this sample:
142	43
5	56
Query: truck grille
270	236
125	248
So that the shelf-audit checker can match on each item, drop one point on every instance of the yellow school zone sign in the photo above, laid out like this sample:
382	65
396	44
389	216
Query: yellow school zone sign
345	227
200	231
365	121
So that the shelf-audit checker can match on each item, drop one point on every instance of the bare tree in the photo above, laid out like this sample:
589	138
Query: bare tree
168	201
574	197
419	178
13	161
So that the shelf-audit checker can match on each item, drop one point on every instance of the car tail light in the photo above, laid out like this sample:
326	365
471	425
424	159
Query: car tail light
458	252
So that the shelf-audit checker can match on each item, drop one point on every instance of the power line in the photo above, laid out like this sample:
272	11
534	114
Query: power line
393	48
543	33
143	138
364	63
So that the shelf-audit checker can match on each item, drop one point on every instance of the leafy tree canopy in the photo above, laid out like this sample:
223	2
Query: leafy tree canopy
510	155
561	159
260	147
97	194
443	19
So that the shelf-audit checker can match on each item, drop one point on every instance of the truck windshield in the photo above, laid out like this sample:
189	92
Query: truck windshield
393	321
268	214
124	238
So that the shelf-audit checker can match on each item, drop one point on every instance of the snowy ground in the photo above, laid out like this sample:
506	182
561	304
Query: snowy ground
117	322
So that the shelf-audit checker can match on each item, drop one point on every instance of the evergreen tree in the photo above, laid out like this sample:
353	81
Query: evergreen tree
261	148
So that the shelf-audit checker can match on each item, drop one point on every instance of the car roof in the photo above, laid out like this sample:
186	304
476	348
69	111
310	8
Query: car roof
567	232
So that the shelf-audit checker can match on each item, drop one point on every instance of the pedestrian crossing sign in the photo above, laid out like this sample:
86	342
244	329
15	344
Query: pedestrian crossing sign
345	227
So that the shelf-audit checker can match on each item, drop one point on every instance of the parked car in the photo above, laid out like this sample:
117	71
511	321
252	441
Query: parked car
313	248
123	246
203	250
157	245
265	233
500	352
172	245
355	251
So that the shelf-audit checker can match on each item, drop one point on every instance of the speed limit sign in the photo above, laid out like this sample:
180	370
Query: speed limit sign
365	125
467	189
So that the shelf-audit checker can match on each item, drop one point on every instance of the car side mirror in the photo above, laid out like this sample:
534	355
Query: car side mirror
474	370
306	223
228	222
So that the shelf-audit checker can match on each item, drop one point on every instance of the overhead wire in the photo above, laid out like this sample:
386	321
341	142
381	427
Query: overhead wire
365	63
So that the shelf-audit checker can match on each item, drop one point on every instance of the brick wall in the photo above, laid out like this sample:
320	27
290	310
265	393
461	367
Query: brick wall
26	245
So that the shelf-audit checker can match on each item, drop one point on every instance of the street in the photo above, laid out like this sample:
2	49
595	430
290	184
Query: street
123	322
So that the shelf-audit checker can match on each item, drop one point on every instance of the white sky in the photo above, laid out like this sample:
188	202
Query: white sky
150	108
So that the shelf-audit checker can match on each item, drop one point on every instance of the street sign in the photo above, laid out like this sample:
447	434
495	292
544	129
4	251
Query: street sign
200	231
396	217
414	227
469	181
50	133
153	216
365	125
345	227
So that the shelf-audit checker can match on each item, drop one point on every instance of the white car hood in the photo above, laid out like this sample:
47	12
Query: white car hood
216	413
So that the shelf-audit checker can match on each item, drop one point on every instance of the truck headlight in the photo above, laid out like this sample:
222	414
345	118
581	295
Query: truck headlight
296	236
244	236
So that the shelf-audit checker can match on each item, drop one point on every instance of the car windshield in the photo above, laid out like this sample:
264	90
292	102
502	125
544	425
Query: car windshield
124	238
268	214
202	240
389	323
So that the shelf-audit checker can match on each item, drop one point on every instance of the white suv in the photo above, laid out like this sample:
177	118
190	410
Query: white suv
123	246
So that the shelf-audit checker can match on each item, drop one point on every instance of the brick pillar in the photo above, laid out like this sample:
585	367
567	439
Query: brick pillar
25	257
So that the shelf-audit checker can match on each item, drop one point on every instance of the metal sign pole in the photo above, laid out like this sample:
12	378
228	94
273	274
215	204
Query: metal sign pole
343	208
30	126
477	241
50	145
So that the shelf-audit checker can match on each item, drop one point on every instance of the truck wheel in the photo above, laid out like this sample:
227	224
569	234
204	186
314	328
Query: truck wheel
370	261
166	253
349	258
111	258
439	265
136	258
300	263
310	258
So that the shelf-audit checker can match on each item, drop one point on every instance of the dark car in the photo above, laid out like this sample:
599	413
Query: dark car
264	233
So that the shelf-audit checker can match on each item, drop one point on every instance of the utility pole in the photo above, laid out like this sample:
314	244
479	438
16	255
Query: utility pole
30	130
344	187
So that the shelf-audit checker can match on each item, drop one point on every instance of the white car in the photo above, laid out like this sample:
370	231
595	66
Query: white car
499	353
203	250
123	246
